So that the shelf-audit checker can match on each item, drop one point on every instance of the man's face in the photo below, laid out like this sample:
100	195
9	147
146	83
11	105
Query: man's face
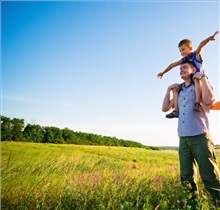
186	70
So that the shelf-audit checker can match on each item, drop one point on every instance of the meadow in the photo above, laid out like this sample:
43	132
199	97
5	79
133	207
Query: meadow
75	177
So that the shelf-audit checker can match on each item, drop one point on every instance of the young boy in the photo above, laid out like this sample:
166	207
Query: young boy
186	50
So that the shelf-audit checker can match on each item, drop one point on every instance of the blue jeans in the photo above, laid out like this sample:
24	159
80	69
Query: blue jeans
199	150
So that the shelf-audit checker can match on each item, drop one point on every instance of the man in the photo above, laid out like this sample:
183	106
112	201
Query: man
195	145
216	106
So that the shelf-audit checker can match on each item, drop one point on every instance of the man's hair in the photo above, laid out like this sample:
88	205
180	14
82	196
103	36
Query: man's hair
187	42
192	64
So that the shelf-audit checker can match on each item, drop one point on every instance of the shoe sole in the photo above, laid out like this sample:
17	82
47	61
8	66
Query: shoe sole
197	110
172	117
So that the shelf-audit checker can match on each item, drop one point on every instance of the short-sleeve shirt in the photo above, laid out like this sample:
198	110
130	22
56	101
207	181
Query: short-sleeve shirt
191	123
198	63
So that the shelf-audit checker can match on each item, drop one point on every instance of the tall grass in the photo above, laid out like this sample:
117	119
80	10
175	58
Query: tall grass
47	176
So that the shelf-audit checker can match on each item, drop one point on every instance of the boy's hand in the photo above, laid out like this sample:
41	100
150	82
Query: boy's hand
213	36
160	75
199	75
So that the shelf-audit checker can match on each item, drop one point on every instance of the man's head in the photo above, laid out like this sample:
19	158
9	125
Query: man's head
186	69
185	47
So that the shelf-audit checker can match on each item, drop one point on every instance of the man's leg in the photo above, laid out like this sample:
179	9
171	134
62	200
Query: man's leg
205	156
188	170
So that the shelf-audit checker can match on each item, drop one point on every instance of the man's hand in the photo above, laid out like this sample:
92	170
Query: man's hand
174	87
199	75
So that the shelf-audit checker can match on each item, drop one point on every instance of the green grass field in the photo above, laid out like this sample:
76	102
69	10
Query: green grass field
50	176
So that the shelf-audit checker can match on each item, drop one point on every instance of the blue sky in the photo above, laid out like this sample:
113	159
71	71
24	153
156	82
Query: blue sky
91	66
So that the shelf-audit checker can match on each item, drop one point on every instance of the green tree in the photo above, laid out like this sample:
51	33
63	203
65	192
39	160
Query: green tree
14	130
48	135
33	133
53	135
17	129
69	136
6	127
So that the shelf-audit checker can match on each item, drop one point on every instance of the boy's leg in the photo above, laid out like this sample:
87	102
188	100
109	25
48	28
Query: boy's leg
175	99
198	91
205	156
175	112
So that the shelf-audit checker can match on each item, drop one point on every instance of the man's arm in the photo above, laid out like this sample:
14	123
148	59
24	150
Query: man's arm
205	42
216	106
172	65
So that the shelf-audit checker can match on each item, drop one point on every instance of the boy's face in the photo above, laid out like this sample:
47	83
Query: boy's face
185	51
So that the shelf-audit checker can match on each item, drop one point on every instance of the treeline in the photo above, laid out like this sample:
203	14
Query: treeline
15	130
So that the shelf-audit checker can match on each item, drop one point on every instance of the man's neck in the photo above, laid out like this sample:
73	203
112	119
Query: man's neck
187	82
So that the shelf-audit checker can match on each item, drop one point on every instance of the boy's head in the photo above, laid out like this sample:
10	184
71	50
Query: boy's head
186	42
185	47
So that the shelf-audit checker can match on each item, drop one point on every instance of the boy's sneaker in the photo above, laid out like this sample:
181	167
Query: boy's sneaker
197	107
173	114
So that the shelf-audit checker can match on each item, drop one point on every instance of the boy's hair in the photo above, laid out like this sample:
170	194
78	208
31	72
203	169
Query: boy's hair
192	64
187	42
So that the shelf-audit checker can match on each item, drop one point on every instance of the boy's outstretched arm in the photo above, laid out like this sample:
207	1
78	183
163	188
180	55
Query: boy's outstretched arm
205	42
172	65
